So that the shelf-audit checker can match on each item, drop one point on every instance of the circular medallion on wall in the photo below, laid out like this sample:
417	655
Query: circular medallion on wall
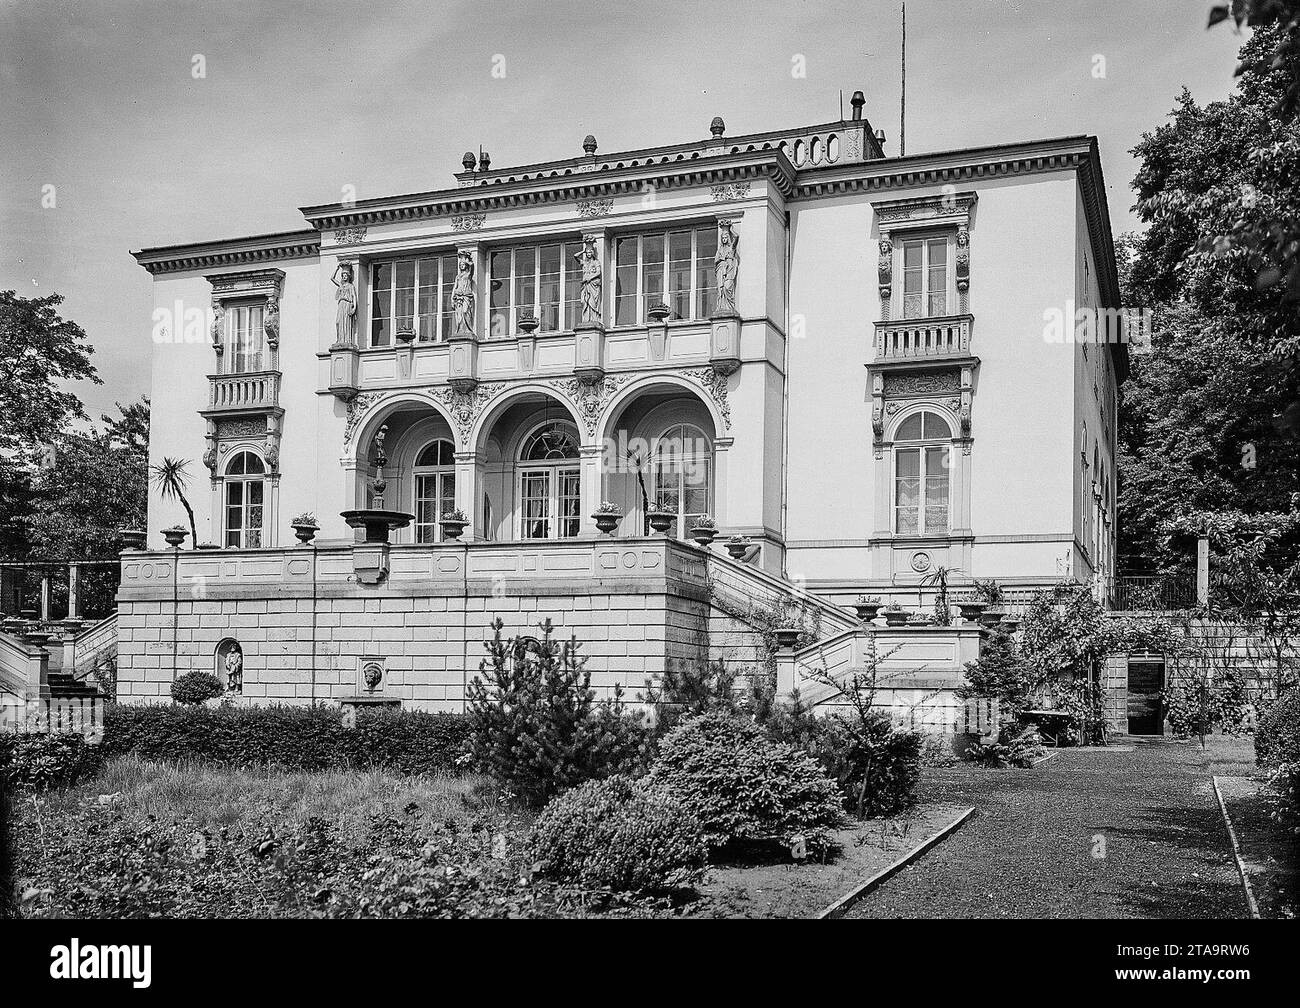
920	561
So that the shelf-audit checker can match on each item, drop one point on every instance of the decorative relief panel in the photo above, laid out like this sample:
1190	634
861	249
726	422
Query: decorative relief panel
591	397
730	191
469	222
715	384
465	406
246	427
350	236
924	384
356	410
595	207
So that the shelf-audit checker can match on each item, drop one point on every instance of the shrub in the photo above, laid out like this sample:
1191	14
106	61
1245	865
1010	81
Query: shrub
615	834
742	786
41	761
875	766
689	688
1277	737
536	724
1015	747
195	687
306	738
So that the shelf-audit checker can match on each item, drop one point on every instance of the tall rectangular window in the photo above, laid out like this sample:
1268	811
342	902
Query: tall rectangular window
921	491
245	338
544	280
411	296
925	277
674	268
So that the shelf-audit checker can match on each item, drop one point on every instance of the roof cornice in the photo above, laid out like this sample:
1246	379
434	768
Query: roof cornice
251	250
606	181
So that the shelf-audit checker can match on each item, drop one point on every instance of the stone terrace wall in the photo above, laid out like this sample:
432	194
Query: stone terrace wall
634	605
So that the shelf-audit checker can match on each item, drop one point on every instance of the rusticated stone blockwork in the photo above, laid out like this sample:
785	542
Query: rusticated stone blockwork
635	607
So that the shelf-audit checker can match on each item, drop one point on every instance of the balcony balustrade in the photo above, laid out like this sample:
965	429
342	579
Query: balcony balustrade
239	393
923	339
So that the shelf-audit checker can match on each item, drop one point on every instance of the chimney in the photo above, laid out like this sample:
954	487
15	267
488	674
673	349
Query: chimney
484	160
857	101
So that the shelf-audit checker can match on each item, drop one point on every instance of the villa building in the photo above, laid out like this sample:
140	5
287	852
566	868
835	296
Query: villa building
866	366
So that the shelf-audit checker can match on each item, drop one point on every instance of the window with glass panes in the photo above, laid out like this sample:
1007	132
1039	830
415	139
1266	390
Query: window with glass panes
411	295
925	277
246	337
435	489
245	501
683	462
549	483
673	267
545	280
921	467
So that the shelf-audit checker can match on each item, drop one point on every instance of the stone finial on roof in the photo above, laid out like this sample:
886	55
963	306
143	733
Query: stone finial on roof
717	127
469	160
589	144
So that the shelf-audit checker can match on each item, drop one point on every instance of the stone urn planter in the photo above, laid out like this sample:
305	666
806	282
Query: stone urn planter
607	517
661	521
658	311
1011	625
787	637
992	617
175	536
453	528
970	611
867	611
897	617
704	531
305	530
738	546
132	538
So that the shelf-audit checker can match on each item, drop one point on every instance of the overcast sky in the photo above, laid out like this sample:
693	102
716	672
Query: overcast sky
99	100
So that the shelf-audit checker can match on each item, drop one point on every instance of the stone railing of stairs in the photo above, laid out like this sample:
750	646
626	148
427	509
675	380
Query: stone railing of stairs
917	671
738	593
35	699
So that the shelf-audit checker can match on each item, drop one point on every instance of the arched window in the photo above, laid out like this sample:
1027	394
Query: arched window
683	474
245	500
922	446
549	483
435	488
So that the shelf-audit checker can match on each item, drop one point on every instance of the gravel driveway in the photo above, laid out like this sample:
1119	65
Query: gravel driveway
1089	833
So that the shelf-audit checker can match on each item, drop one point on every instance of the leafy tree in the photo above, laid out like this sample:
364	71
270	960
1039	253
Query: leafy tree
40	353
92	485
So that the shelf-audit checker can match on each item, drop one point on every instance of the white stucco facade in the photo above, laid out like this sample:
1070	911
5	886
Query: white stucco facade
796	398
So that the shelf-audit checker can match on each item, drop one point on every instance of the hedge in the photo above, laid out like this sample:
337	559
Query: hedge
302	738
1277	736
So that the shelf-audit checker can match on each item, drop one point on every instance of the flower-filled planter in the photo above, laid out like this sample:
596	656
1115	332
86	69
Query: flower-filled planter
868	608
453	524
305	528
971	611
897	617
607	517
992	617
661	519
738	546
175	536
704	530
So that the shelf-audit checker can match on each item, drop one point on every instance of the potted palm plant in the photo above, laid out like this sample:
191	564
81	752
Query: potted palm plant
607	517
661	516
704	530
305	527
172	477
453	523
868	607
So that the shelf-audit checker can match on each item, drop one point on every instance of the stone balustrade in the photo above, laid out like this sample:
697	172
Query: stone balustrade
910	339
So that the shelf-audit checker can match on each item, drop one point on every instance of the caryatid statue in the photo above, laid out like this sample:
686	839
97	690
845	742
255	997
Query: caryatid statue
726	265
592	283
462	296
345	314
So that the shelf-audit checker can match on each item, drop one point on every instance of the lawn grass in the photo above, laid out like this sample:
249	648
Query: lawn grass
206	796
